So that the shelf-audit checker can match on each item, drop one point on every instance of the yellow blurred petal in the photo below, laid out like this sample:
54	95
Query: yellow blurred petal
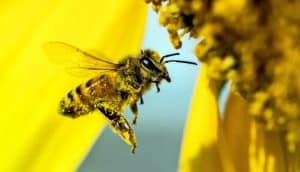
249	145
33	136
266	150
200	150
236	131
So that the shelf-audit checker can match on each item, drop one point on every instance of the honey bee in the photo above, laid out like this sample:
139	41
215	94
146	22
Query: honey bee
115	85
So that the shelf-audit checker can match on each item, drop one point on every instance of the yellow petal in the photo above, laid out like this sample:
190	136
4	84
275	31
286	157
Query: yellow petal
236	132
200	150
267	150
249	145
33	136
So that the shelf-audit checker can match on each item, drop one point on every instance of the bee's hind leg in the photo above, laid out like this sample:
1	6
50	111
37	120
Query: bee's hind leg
134	110
122	127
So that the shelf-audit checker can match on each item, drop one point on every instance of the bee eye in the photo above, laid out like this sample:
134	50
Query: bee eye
148	63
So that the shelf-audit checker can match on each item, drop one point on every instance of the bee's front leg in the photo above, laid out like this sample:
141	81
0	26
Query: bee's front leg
157	86
122	127
141	100
134	110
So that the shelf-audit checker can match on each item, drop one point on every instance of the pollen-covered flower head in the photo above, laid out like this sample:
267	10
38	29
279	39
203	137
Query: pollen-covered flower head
254	44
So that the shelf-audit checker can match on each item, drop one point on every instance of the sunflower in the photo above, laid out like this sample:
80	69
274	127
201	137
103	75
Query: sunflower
254	45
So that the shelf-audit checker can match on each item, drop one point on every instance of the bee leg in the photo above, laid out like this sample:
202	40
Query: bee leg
157	86
134	110
141	100
122	127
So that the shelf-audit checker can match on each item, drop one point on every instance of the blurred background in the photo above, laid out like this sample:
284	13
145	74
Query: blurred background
161	119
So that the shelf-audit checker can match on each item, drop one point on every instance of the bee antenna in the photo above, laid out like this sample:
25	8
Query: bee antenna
181	61
168	55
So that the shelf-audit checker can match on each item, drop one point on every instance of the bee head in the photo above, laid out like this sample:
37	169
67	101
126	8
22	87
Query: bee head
154	70
154	64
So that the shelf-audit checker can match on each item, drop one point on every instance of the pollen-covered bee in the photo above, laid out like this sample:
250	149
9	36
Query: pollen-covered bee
115	85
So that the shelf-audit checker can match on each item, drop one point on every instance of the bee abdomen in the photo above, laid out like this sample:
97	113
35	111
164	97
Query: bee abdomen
75	103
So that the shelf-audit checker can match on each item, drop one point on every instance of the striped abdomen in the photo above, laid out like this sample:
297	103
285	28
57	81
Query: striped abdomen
84	97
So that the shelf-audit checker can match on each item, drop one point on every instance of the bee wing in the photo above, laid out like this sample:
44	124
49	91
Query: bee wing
76	61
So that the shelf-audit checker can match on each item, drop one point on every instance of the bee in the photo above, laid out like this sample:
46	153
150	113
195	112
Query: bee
115	86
